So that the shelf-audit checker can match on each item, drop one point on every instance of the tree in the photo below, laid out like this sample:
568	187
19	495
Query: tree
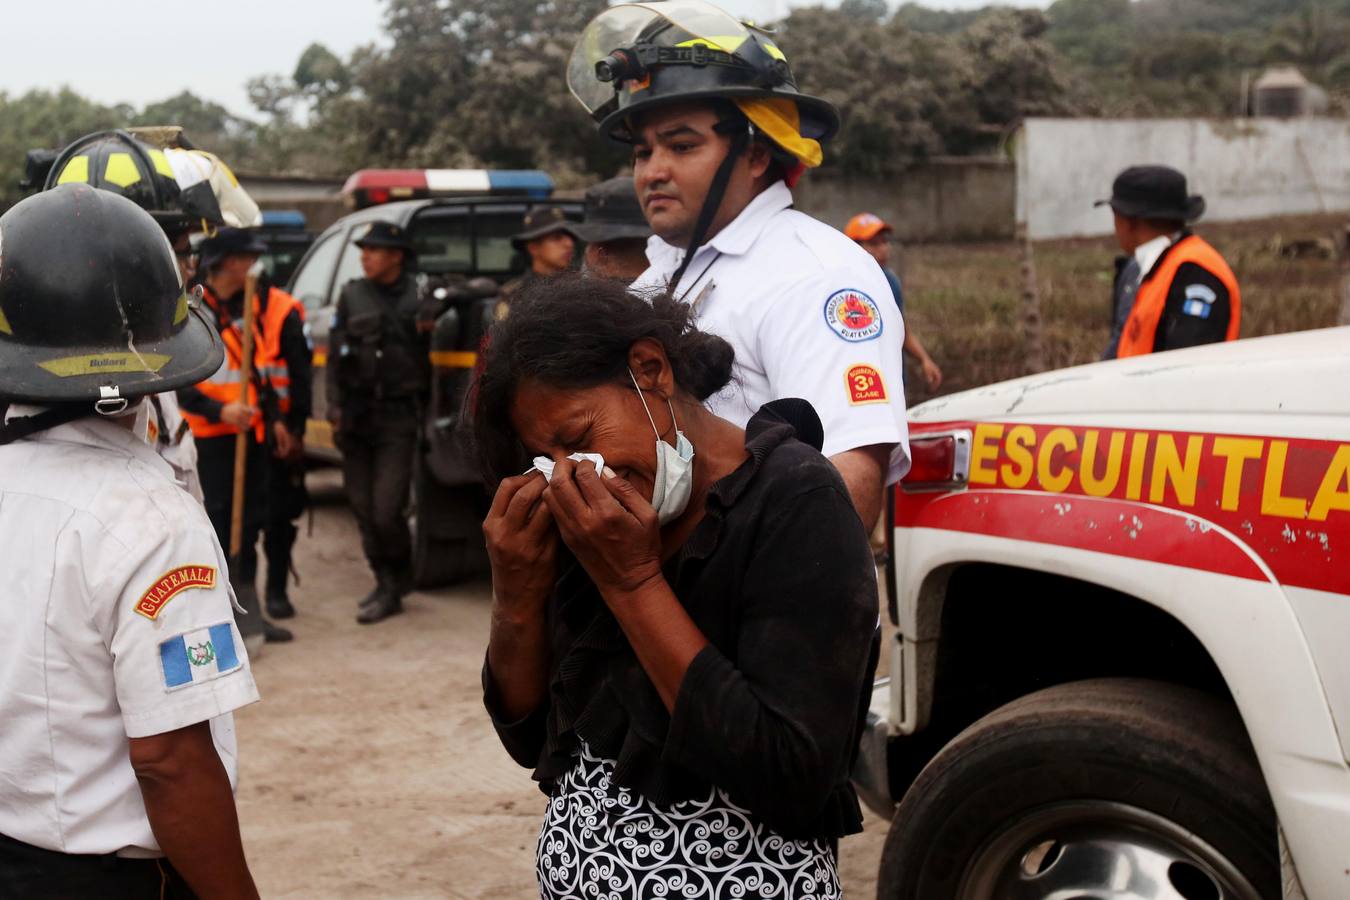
870	11
49	120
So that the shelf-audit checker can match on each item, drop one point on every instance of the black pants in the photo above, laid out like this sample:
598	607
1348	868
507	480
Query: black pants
215	468
376	474
286	501
31	873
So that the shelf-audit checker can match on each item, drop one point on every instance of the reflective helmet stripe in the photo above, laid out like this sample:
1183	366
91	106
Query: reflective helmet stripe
77	171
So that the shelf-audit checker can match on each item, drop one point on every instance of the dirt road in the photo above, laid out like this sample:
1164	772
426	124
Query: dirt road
370	768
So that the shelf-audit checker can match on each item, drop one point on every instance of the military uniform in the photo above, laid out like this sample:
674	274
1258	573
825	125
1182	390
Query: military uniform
378	376
1175	290
539	221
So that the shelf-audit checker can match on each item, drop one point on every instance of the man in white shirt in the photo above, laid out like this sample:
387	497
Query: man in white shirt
719	133
120	662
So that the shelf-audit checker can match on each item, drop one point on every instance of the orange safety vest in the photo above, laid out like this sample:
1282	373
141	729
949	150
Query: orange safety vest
268	364
1141	328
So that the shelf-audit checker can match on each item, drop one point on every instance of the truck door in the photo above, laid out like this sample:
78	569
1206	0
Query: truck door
315	286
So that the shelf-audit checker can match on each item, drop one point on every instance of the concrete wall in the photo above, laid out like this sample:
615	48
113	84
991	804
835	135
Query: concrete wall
320	199
1245	168
944	200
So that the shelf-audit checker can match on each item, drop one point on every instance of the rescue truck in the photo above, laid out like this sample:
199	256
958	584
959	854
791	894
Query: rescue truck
460	222
1120	663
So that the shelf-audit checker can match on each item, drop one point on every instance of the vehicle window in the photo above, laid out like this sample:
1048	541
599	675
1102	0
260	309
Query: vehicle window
310	286
444	242
348	268
495	252
443	237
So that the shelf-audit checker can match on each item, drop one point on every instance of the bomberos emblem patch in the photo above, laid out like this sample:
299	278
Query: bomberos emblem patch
853	315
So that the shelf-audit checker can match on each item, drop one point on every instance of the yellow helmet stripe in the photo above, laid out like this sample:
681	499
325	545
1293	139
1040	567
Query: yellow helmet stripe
121	170
76	171
725	43
4	324
161	163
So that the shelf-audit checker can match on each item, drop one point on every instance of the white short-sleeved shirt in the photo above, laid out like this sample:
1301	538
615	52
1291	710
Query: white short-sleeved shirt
166	430
809	314
116	622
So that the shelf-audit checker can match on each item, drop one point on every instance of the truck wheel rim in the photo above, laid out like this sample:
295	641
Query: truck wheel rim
1099	850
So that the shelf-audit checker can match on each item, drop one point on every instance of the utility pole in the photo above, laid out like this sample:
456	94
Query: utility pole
1031	306
1343	244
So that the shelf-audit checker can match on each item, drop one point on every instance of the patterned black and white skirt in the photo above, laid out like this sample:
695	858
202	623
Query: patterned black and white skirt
603	842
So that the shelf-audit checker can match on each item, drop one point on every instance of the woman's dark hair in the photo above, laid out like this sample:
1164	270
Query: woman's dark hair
574	331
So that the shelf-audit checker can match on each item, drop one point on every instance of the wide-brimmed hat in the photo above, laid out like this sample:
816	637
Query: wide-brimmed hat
613	213
1154	192
542	220
865	226
385	234
229	242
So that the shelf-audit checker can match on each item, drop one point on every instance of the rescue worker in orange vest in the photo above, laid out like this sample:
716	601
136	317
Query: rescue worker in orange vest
273	412
1172	289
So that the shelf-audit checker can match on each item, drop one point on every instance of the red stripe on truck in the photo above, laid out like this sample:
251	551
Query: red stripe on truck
1287	500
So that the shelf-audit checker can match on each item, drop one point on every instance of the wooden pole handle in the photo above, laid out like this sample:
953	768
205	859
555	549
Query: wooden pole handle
242	439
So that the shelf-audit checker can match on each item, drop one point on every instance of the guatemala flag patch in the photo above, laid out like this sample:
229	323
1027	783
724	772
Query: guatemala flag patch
198	656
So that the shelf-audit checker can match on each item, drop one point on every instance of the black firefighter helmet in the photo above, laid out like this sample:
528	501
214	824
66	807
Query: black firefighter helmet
92	308
639	55
118	162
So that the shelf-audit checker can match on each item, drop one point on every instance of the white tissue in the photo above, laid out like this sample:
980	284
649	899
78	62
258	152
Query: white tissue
545	465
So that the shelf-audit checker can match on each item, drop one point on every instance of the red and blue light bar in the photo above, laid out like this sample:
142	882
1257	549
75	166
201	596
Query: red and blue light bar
371	187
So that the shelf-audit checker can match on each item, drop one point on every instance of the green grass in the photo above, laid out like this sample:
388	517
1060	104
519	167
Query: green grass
964	301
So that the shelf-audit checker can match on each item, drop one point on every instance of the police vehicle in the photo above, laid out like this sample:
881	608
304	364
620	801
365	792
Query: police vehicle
460	223
1120	665
287	235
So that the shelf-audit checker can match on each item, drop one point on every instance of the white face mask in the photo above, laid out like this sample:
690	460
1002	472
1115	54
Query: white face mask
674	481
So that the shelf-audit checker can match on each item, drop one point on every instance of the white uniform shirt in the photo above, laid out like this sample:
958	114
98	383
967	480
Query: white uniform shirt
115	622
809	314
168	433
1148	253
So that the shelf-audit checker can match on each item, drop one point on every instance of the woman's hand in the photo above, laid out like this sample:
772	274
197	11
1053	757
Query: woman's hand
522	546
611	529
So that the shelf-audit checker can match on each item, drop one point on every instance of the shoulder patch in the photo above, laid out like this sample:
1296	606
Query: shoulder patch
173	583
196	656
1199	300
865	385
853	315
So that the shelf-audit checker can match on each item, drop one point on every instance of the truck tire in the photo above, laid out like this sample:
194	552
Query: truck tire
1062	791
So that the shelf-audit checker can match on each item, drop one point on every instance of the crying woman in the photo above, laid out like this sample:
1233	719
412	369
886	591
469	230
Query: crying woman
684	613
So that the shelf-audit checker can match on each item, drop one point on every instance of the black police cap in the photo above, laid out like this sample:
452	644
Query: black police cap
1154	192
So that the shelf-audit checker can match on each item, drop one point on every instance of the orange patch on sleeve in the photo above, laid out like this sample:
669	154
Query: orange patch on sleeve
173	583
865	385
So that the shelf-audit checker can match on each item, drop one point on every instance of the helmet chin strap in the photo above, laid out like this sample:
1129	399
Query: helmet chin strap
740	130
18	428
111	406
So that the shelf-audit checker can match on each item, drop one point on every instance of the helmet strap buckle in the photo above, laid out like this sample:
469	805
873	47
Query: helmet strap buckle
111	403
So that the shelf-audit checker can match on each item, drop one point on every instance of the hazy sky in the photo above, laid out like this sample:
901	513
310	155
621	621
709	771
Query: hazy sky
138	51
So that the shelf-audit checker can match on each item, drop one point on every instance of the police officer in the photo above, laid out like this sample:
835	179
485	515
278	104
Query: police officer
614	230
1172	289
121	661
719	134
218	412
549	242
378	376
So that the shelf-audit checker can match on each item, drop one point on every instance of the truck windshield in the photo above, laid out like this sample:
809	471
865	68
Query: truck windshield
444	236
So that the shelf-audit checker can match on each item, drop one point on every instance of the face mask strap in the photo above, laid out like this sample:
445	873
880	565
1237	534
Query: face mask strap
646	408
673	423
